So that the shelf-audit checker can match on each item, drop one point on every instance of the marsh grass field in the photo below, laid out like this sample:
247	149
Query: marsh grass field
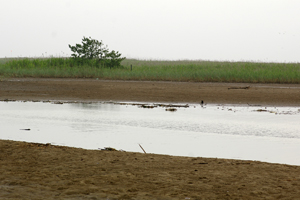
153	70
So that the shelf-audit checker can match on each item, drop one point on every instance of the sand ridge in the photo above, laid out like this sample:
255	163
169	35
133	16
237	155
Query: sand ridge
147	91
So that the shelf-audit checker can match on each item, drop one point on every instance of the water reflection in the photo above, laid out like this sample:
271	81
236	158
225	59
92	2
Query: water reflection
271	135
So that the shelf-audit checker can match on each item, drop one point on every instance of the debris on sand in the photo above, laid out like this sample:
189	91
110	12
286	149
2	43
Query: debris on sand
262	110
25	129
173	105
147	106
142	148
243	88
171	109
7	100
108	149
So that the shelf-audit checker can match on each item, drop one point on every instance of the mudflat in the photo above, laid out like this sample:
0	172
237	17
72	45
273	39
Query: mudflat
45	171
147	91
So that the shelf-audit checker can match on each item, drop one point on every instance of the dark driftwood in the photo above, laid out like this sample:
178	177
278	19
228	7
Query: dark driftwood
245	88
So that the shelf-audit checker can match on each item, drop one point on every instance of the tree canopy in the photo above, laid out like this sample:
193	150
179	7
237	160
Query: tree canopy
94	49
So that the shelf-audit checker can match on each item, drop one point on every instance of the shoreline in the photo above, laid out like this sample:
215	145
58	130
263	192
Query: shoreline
161	104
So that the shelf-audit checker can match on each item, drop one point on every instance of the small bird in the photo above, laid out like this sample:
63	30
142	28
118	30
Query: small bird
201	103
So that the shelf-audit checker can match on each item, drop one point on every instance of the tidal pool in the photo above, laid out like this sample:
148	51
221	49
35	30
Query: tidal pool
235	132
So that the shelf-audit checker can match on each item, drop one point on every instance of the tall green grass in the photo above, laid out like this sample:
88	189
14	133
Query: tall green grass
153	70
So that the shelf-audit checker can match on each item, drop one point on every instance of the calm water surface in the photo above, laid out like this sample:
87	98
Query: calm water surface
249	133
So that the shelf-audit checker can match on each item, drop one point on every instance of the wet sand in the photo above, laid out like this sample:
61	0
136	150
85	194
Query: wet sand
40	171
146	91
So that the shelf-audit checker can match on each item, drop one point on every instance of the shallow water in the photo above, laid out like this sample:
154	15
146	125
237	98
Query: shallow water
236	132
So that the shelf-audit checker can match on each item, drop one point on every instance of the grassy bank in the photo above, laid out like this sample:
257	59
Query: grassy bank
197	71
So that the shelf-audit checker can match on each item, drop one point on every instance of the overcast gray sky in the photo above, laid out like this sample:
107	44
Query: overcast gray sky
231	30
